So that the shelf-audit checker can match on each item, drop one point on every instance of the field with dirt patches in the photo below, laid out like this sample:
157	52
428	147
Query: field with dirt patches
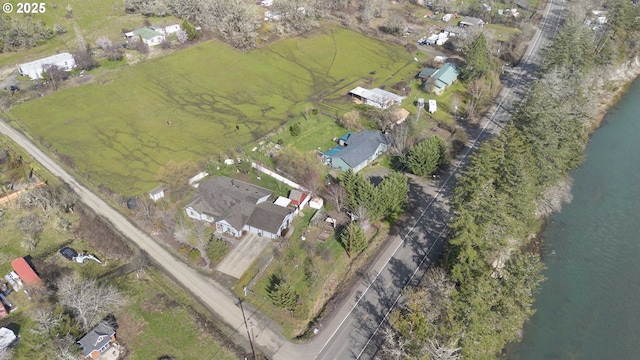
123	127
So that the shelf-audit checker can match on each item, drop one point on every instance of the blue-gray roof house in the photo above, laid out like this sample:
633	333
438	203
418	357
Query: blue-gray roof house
357	150
442	78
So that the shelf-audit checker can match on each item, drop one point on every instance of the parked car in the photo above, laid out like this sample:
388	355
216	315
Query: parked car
68	253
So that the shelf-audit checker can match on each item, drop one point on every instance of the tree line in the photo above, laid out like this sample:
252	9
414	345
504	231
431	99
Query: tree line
477	300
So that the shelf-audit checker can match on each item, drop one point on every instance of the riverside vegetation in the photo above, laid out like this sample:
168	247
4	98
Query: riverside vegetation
477	300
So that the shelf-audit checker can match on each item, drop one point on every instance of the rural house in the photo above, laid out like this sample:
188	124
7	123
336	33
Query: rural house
379	98
35	68
357	150
471	21
441	78
237	207
97	341
149	36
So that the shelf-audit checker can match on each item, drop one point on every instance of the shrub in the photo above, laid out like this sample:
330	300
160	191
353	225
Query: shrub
217	250
194	255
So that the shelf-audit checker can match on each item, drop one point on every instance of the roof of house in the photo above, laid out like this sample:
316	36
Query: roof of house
268	217
95	339
146	33
360	146
445	75
454	29
427	72
156	191
282	201
25	271
470	20
377	95
34	68
229	199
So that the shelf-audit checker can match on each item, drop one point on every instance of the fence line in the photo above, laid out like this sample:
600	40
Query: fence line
276	176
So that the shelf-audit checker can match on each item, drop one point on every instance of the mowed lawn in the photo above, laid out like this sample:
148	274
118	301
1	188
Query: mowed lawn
122	128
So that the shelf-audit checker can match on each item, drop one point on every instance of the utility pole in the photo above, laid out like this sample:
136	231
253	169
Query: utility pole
253	350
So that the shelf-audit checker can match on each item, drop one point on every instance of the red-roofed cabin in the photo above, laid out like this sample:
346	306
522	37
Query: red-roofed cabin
25	271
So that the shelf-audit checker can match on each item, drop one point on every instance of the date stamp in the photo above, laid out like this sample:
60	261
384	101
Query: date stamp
24	8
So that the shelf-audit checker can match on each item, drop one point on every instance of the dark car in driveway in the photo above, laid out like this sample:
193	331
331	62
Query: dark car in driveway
68	253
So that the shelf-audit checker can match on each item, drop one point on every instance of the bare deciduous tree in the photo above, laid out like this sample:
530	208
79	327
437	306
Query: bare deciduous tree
477	92
182	36
200	232
103	42
400	139
32	226
113	53
45	321
87	299
337	195
352	120
53	75
38	196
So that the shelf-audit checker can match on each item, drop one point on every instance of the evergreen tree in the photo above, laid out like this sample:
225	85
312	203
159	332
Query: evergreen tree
478	60
283	296
353	239
424	158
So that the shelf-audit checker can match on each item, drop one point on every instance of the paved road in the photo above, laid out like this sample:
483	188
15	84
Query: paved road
218	299
354	332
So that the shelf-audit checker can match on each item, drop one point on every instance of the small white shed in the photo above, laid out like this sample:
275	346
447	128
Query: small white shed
157	193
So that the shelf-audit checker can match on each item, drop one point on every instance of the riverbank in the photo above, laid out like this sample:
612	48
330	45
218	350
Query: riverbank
584	310
613	88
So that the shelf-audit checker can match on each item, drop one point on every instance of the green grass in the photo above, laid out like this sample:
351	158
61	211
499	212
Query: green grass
500	32
318	132
116	128
160	319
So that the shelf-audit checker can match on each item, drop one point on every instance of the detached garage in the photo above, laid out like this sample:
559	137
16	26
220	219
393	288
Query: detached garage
25	271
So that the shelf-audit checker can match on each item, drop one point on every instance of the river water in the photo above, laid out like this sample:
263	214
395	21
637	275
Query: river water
589	306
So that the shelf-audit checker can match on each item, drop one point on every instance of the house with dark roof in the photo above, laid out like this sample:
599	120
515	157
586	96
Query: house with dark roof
426	73
453	31
97	341
357	150
441	79
236	207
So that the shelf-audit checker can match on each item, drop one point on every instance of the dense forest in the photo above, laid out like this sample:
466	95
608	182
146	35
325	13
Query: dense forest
477	300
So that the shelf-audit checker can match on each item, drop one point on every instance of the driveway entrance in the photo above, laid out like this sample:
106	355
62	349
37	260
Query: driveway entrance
241	257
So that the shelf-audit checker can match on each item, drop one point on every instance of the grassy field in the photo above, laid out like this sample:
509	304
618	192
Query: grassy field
121	129
161	319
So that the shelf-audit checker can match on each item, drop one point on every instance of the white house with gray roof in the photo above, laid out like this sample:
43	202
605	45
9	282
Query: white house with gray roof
357	150
236	207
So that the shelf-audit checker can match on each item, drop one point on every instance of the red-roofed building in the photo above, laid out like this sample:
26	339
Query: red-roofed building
298	197
25	271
